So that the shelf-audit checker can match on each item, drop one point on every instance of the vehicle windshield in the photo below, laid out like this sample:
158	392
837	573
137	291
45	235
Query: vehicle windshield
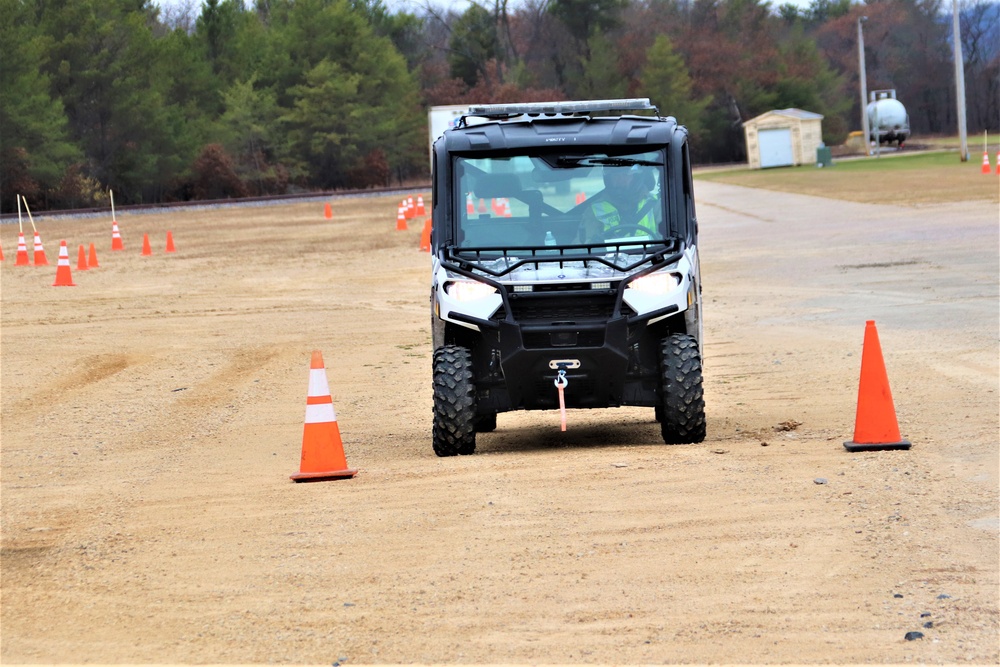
560	199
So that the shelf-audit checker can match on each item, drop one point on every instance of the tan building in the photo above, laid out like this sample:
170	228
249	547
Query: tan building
783	138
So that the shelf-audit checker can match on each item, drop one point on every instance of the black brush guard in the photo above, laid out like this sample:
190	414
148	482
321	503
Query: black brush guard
517	359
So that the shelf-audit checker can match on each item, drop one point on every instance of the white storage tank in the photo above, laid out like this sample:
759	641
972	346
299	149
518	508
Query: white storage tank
887	118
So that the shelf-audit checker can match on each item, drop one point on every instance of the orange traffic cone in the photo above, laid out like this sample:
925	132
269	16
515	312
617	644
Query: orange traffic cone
482	205
401	220
425	236
470	207
146	249
116	237
40	258
170	242
420	205
875	425
21	258
986	162
328	211
998	161
581	197
64	278
1	253
411	208
81	260
92	260
322	451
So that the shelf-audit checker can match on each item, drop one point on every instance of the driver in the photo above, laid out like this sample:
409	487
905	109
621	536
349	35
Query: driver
626	201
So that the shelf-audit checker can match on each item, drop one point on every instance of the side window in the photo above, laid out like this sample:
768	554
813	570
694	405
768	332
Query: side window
434	173
436	185
690	224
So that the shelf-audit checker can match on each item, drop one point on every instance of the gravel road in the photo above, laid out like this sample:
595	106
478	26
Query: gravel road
152	414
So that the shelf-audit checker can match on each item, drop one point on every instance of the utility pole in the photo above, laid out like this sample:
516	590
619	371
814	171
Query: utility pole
864	84
959	81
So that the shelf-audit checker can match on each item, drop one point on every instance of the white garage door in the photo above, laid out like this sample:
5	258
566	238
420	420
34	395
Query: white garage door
775	147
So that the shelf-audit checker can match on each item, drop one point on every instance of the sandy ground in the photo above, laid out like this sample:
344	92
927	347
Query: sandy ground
152	414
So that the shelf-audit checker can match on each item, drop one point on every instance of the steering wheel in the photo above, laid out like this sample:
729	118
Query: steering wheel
619	231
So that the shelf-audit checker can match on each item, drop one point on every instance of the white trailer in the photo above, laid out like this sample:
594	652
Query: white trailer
443	118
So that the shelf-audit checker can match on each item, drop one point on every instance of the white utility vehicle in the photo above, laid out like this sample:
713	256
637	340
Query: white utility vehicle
565	267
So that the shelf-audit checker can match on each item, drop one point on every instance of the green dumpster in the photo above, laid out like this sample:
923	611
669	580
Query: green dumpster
823	157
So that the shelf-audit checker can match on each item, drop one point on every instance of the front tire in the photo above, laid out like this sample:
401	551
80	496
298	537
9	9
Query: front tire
454	429
682	402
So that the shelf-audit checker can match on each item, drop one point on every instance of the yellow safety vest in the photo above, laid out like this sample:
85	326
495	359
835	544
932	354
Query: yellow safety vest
609	216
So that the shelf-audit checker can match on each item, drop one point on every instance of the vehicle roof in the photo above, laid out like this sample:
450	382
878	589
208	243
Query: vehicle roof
560	131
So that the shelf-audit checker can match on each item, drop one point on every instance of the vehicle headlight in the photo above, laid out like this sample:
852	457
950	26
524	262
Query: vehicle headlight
656	284
468	290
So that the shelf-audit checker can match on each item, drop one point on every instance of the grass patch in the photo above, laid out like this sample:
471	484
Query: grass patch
902	179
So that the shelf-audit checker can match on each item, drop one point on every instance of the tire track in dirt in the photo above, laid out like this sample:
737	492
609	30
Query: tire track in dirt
45	531
240	365
87	371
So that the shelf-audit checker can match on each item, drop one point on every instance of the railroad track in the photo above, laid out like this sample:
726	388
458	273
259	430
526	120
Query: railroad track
271	200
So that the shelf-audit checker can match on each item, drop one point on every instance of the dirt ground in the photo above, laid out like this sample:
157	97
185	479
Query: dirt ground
152	415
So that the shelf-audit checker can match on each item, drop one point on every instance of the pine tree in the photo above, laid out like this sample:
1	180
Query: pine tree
35	147
665	80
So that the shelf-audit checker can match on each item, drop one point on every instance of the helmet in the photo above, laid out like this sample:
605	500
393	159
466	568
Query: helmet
632	180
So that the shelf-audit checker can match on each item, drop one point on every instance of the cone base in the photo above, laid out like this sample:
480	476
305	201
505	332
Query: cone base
875	446
318	476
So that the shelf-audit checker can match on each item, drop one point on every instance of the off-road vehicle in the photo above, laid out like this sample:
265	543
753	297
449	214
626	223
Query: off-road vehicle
565	267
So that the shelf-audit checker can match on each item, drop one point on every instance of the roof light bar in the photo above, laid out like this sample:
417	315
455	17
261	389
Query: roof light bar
563	108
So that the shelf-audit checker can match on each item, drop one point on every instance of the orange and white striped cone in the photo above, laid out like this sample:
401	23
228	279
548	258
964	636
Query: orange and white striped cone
322	450
420	206
147	250
116	237
64	277
411	208
81	259
470	207
92	260
170	243
21	259
401	220
40	258
986	163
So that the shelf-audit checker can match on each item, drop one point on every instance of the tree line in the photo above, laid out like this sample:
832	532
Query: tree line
233	98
